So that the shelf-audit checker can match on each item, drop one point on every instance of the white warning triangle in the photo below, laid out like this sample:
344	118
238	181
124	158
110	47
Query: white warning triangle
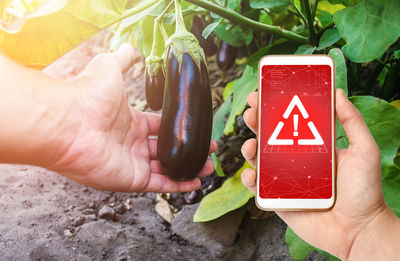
317	137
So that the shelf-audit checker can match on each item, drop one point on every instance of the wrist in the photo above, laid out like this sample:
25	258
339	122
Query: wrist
59	123
378	239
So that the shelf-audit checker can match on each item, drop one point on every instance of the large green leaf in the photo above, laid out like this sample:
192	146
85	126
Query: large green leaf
383	120
44	39
340	69
230	196
368	28
241	89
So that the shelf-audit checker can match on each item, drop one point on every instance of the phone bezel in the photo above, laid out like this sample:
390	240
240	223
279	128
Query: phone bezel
298	204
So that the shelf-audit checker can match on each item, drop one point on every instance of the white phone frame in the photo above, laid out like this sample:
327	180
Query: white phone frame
298	204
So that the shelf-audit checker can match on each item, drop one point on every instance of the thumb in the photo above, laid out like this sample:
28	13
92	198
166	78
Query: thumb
124	56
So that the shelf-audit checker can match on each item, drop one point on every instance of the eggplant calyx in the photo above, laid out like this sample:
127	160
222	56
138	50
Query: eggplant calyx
153	64
185	42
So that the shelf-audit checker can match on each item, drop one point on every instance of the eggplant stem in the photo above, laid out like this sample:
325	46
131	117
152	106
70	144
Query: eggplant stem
159	20
180	23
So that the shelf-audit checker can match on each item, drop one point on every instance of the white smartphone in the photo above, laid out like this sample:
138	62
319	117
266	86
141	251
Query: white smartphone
296	165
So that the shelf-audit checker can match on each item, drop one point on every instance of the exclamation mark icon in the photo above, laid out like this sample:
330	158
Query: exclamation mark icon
295	124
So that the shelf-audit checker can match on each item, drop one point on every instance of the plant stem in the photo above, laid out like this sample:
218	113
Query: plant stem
315	9
310	21
180	23
160	17
323	29
133	11
390	82
300	14
241	20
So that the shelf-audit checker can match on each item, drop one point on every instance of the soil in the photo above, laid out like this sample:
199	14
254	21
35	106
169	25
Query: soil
48	217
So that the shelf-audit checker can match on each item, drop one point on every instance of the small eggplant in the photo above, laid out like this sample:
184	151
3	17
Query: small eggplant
154	82
208	45
226	56
186	123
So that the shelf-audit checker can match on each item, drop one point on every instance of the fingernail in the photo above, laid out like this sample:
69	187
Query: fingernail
341	91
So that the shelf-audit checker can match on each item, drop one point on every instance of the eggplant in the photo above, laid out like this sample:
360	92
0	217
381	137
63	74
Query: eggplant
186	123
226	56
154	89
208	45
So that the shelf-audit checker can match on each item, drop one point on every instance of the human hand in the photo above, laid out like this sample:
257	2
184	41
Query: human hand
112	149
360	208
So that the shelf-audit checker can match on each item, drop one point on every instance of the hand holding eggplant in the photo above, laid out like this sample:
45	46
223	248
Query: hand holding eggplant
186	123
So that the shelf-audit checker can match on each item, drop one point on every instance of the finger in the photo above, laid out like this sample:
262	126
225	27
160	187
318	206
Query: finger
249	179
153	122
153	148
161	183
155	167
124	56
213	146
250	118
249	151
352	121
252	99
207	169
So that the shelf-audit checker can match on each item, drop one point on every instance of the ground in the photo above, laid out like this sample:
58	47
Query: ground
48	217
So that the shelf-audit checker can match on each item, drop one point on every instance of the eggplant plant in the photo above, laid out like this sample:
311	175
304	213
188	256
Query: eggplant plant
362	36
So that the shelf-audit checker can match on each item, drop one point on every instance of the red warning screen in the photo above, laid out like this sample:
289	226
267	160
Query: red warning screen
296	132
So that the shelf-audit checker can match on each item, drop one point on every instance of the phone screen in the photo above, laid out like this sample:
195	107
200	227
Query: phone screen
296	132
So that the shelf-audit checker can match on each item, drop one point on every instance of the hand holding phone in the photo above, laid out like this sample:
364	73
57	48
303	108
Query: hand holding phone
360	209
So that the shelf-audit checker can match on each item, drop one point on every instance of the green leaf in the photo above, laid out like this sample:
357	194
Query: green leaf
217	164
281	46
305	49
44	39
383	120
233	4
330	37
368	28
241	89
345	2
298	248
273	5
124	33
230	196
209	29
325	6
218	130
391	191
340	68
236	36
219	116
324	17
228	90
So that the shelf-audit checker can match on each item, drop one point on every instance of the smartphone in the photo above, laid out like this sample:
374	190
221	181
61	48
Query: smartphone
296	166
